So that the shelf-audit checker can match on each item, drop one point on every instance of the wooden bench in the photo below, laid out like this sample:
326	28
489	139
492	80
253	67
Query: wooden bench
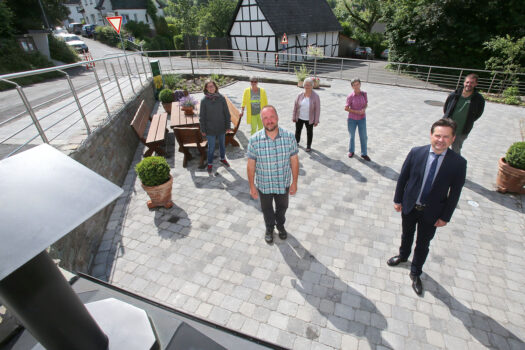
156	136
236	122
188	138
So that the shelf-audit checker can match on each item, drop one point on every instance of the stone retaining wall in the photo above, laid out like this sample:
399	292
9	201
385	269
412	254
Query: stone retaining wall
108	151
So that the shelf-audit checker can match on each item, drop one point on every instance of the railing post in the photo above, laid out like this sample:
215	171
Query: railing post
428	76
102	91
106	68
171	63
131	81
220	60
121	70
31	113
138	70
341	75
368	71
398	73
73	91
144	67
459	79
288	59
118	84
492	81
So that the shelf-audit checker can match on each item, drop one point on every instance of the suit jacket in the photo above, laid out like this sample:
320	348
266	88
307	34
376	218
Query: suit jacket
446	189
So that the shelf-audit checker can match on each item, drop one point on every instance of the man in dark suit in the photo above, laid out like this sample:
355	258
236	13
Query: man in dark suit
427	193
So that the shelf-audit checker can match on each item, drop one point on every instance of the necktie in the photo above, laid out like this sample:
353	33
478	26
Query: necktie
430	177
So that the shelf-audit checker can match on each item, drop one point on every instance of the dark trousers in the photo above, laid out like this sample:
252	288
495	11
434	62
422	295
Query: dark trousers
425	233
309	131
274	217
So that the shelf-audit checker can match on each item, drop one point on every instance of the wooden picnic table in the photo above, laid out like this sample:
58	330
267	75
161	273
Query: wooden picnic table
179	119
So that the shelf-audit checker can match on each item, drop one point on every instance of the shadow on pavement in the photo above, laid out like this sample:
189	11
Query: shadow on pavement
382	170
329	287
482	327
336	165
174	215
506	200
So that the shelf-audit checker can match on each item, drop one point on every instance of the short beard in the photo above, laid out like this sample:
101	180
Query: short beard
268	129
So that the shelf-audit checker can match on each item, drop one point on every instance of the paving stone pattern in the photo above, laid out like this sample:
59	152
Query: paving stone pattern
328	286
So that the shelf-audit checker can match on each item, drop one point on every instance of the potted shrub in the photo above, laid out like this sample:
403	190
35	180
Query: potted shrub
154	173
187	104
317	52
166	96
511	170
301	74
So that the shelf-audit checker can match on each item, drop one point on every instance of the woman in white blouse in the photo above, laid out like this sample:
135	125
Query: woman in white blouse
306	111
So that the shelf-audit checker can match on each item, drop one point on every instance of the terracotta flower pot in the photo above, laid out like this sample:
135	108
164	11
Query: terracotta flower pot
160	195
300	84
167	107
510	179
188	110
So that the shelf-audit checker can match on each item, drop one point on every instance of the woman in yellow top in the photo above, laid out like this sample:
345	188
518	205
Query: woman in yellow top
254	99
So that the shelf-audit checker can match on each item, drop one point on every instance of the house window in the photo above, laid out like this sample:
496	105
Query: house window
135	17
85	1
91	2
93	19
147	19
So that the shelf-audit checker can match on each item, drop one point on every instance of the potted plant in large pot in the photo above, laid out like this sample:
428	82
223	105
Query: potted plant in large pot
166	96
154	173
511	170
301	74
187	104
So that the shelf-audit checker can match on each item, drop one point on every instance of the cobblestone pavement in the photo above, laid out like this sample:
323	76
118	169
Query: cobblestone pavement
328	286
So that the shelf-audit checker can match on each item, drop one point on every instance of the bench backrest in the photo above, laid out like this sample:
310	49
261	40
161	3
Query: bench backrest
140	121
188	137
234	114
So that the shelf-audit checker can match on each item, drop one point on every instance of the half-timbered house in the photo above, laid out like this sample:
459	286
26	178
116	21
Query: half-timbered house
258	28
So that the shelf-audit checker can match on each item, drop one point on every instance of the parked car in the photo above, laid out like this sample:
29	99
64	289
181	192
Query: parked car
384	54
364	52
59	31
75	42
74	28
88	30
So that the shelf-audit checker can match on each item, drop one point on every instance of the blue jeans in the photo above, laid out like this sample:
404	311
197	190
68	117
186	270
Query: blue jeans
352	125
211	146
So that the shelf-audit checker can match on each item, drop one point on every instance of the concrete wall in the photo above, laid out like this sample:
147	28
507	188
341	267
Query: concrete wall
108	151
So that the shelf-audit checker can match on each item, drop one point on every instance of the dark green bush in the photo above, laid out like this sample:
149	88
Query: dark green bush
166	96
13	59
61	51
139	30
107	35
153	171
515	156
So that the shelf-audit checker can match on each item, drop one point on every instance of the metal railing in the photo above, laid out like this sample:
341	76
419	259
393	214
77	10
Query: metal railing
114	80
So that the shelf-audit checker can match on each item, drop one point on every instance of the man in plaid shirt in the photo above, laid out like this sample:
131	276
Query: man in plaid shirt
272	163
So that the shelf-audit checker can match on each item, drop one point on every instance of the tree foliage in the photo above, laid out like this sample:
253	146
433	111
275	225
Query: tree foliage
215	17
361	13
449	32
507	54
28	15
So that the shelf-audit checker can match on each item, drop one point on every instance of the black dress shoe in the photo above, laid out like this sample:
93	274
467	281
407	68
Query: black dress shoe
417	286
395	260
268	237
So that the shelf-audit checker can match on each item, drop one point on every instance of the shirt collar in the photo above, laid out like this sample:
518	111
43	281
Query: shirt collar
278	133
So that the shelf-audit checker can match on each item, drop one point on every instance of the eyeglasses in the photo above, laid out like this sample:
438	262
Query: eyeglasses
253	81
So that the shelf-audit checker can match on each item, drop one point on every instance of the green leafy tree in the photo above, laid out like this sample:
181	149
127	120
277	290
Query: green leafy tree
6	20
216	17
28	14
362	14
507	54
448	32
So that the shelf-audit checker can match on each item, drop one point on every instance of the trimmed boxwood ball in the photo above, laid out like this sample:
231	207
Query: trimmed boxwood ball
166	96
515	156
153	171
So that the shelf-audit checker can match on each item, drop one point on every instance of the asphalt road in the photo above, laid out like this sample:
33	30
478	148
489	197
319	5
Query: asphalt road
11	103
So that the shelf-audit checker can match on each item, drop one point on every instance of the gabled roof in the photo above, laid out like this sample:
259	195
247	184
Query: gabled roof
297	16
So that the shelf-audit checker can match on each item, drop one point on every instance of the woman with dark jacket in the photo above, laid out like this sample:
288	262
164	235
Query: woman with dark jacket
306	111
214	118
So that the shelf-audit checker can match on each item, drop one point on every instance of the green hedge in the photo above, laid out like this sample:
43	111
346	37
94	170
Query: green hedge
61	51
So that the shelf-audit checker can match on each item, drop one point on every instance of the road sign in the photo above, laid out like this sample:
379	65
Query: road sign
115	22
284	39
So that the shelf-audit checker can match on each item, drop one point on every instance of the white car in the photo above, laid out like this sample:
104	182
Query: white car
75	42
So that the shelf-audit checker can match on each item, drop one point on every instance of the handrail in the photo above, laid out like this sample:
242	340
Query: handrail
118	87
